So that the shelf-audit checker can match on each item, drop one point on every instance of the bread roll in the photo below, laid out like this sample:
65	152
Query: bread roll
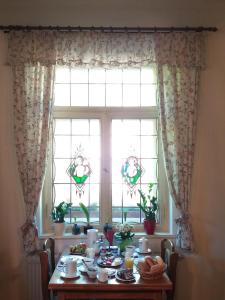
150	261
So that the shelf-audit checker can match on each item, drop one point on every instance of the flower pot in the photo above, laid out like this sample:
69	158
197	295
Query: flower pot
76	229
149	226
59	228
86	227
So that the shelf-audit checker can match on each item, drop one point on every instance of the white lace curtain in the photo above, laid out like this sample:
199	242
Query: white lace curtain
178	57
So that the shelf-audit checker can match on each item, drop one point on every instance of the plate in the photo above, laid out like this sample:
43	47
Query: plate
124	280
69	276
104	264
143	252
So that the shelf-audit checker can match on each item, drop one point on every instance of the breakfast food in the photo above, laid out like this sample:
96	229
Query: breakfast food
151	268
78	249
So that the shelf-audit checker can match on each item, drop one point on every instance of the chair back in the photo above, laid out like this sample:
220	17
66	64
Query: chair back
49	245
170	257
47	260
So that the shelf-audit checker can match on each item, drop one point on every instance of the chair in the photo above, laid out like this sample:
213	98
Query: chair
170	257
47	260
49	245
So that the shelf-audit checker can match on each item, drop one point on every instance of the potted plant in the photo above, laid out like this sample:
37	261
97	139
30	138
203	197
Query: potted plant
149	206
87	215
58	214
75	228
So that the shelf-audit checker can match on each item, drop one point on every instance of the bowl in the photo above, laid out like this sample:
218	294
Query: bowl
92	272
88	262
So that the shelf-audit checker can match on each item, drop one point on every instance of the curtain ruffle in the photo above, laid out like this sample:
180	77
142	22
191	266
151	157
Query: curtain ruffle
108	50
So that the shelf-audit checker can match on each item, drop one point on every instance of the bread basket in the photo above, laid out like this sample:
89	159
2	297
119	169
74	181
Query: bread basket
150	275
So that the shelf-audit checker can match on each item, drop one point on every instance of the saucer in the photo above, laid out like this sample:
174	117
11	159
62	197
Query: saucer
143	252
69	276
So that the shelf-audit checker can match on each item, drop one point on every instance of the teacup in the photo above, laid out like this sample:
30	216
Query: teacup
70	266
92	272
88	262
102	275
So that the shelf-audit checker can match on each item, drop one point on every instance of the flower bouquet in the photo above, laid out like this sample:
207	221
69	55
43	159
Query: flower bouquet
124	235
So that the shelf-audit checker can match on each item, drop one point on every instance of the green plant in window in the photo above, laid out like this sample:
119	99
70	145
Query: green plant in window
59	212
149	204
85	211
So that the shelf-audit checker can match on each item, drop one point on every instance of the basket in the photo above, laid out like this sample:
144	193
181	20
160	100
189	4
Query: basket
149	275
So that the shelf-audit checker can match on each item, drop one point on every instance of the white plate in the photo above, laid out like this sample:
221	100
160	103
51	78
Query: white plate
143	252
124	280
69	276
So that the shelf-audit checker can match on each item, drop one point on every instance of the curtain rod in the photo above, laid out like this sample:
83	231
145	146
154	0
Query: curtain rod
106	29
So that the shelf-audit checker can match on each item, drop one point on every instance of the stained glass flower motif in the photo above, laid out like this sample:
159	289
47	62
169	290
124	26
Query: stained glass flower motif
79	170
131	171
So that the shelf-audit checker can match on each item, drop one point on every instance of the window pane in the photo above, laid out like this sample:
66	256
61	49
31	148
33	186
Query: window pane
94	195
95	168
62	126
79	95
148	127
150	167
61	166
116	170
97	95
61	193
131	127
76	198
97	76
148	75
131	95
62	75
79	75
114	76
114	95
62	147
94	127
80	127
131	76
148	95
62	95
80	141
148	147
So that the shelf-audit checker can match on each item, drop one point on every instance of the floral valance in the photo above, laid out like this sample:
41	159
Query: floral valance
99	49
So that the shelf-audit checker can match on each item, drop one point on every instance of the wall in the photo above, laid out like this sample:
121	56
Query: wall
200	276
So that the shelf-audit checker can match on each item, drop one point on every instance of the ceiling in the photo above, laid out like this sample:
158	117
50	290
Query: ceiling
113	12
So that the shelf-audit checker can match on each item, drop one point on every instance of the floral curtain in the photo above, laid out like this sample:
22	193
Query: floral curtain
32	90
178	57
178	89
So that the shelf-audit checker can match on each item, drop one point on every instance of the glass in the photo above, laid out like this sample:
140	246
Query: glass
114	76
131	95
80	127
129	260
79	95
113	95
97	76
62	127
79	75
96	95
148	95
62	95
131	75
62	75
148	75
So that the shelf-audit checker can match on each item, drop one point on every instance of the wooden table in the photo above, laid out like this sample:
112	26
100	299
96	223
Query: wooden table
85	288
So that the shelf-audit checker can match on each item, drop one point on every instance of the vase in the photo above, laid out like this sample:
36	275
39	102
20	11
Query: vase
149	226
59	228
122	243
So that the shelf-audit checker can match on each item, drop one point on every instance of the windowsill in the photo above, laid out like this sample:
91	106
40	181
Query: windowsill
157	235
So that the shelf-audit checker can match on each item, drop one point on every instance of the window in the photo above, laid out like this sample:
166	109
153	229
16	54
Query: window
105	117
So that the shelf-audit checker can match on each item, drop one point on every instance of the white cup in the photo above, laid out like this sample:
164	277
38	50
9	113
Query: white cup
70	266
90	252
102	275
130	250
143	245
